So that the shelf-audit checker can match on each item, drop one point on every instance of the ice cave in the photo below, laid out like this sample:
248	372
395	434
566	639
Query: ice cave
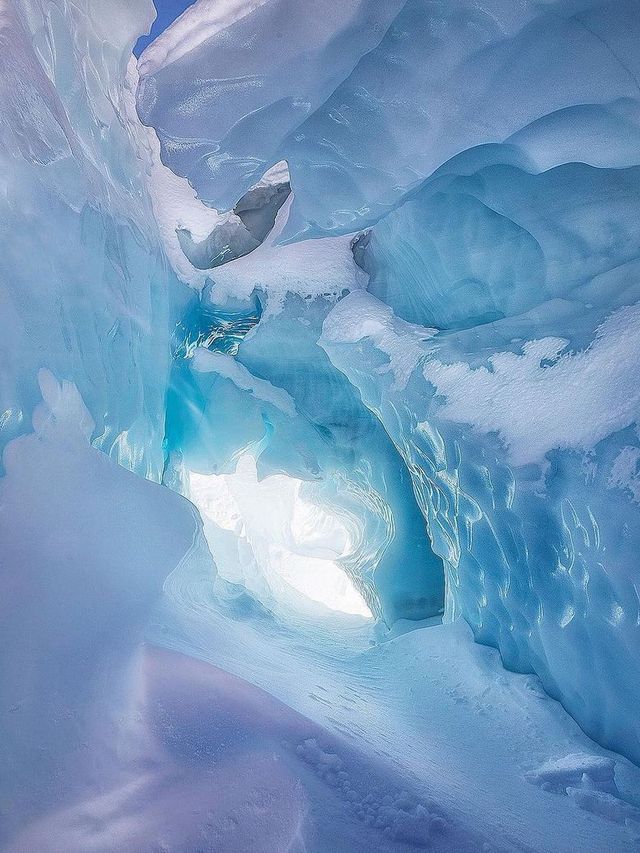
320	426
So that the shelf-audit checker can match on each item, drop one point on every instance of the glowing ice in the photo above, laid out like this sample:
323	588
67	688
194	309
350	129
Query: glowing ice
289	543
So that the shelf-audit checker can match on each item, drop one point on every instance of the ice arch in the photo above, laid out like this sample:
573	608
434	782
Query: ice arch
298	417
414	84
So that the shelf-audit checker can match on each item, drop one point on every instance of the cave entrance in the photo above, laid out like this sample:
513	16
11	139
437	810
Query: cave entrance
267	537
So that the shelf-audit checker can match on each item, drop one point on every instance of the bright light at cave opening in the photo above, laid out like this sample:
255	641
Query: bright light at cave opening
287	545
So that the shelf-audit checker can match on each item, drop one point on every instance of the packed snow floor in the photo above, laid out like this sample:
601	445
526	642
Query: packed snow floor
420	740
252	734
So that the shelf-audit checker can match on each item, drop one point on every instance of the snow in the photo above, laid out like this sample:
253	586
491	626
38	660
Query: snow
541	379
176	206
597	772
74	605
362	316
311	269
195	236
625	471
469	739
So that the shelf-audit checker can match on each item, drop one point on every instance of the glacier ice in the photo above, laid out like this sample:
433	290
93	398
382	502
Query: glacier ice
484	239
517	410
316	431
514	457
423	82
361	297
496	173
86	286
271	87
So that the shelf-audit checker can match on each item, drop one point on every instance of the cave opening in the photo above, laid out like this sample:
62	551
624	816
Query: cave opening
291	513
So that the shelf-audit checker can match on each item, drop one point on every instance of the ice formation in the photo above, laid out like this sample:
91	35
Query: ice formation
415	84
319	361
85	282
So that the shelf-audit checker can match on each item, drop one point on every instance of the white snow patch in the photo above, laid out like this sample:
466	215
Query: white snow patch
174	201
361	316
574	402
625	472
561	773
590	781
311	268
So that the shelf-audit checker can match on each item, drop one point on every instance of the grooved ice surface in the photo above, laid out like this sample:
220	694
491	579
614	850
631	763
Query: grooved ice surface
362	120
229	82
84	279
517	412
524	464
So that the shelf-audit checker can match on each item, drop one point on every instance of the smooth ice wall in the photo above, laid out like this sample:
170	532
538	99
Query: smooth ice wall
366	99
85	545
84	281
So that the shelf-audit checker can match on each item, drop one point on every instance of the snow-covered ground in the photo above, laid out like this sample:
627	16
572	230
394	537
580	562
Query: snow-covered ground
501	763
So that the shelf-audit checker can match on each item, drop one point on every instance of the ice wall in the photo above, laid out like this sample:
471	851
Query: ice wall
494	351
84	282
518	413
523	451
484	239
227	83
85	545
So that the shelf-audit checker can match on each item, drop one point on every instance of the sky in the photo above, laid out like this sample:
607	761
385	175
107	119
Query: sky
168	11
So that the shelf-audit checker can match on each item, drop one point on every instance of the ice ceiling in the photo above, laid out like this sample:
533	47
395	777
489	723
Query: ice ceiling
319	354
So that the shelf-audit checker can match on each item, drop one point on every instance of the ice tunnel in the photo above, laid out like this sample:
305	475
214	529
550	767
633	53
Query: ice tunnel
319	406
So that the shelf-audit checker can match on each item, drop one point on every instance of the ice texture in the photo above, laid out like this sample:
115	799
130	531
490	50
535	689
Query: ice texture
522	487
300	418
502	323
361	120
276	64
85	282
